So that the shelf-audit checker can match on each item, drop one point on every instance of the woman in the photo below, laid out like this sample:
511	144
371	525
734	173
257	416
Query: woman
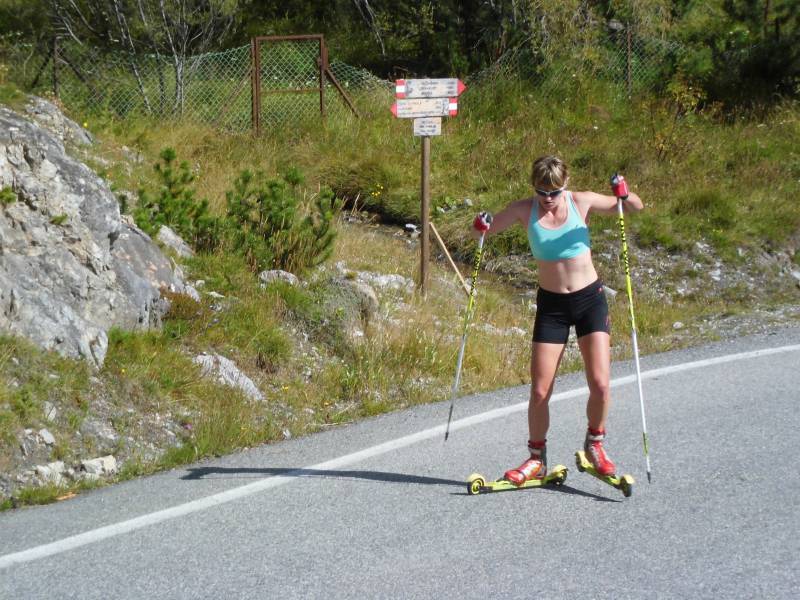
570	293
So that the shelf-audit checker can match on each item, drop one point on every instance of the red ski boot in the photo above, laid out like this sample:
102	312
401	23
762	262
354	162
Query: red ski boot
596	454
533	468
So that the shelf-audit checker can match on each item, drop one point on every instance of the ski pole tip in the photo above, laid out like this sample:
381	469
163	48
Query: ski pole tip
649	478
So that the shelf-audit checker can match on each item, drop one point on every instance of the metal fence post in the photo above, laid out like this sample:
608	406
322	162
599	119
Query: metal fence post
629	59
323	66
55	66
255	100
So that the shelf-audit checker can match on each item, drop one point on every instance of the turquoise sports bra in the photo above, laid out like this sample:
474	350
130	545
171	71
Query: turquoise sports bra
568	241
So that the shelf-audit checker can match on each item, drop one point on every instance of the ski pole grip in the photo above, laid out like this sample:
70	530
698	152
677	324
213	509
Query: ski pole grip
619	187
482	222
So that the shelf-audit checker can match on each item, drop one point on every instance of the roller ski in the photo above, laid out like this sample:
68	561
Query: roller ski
531	473
477	484
594	460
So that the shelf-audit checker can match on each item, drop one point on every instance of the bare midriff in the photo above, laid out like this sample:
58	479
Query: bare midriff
567	275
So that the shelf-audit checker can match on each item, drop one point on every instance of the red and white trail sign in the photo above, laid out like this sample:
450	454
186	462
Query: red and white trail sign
429	88
425	107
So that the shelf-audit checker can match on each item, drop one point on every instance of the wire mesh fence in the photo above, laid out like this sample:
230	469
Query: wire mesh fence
211	88
630	62
217	88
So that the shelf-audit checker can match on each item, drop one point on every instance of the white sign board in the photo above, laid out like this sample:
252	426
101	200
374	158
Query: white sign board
425	107
429	88
428	126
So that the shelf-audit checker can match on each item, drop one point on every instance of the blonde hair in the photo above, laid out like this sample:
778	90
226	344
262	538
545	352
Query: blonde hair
549	171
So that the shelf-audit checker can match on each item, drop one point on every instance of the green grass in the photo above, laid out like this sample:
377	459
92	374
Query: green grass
11	96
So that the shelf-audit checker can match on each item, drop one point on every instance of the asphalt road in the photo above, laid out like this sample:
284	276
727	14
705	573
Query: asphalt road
379	509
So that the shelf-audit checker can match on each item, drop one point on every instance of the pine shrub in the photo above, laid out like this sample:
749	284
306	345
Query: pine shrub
275	226
7	196
176	206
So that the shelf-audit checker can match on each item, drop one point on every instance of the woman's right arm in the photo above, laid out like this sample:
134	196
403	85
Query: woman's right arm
515	212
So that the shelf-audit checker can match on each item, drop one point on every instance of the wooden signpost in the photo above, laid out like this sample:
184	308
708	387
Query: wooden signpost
426	101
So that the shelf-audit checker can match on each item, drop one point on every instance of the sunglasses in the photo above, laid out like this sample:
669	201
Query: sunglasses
550	194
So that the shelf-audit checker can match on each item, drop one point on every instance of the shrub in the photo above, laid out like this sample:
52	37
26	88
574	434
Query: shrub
274	227
7	196
175	206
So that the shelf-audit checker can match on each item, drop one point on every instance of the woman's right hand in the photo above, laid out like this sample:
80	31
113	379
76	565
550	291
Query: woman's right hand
482	222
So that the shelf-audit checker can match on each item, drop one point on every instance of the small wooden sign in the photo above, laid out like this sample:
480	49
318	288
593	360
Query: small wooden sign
429	88
428	126
425	107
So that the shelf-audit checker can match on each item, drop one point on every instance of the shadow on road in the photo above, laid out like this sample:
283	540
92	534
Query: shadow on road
225	473
260	472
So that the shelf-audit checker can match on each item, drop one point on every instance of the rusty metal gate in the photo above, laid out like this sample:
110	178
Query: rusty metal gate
289	78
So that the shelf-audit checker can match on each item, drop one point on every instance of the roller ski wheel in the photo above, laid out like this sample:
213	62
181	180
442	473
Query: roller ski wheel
624	483
477	484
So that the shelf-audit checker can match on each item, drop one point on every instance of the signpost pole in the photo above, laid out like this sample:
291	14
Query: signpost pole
425	212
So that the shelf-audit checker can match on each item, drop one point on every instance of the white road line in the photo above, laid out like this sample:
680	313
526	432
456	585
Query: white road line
102	533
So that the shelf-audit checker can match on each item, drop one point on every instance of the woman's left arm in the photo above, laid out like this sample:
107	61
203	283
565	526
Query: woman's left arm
601	204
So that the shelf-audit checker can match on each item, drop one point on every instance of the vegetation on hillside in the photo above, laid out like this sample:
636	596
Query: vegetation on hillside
719	178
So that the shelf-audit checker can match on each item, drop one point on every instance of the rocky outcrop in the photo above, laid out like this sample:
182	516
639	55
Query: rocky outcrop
49	116
70	266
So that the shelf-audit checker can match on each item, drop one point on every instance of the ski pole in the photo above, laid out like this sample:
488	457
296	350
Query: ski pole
482	223
620	190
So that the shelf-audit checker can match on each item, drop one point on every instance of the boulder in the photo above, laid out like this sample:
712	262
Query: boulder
70	266
105	465
225	371
51	473
267	277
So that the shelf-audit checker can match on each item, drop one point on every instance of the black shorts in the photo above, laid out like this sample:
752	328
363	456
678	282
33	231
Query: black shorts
587	309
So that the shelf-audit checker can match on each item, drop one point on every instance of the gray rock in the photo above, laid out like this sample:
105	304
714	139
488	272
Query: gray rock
191	292
49	116
103	434
50	412
267	277
70	267
51	473
105	465
366	296
28	444
225	372
172	240
386	282
47	437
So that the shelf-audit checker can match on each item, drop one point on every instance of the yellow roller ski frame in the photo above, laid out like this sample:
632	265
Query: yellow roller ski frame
477	484
624	483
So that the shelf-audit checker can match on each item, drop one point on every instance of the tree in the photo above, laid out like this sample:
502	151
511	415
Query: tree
729	43
27	18
172	30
